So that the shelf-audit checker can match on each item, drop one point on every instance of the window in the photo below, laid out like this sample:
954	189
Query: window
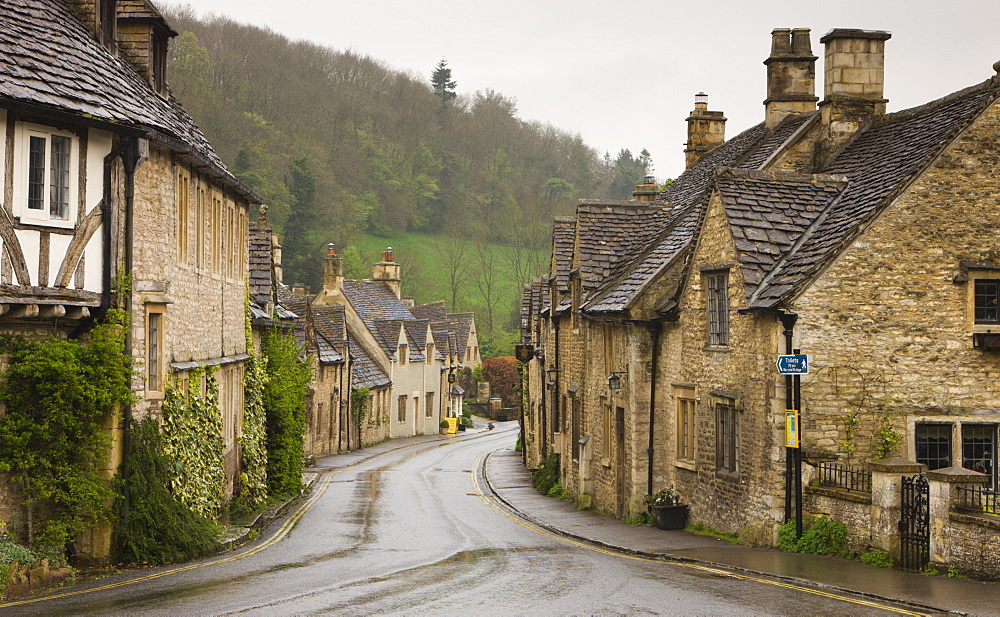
577	421
404	355
430	404
108	12
979	447
199	236
154	351
183	215
159	65
416	406
717	289
987	306
934	445
401	408
430	353
215	234
685	424
49	181
606	437
727	434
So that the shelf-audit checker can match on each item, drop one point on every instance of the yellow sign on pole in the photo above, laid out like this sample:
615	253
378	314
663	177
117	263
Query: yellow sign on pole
452	425
791	428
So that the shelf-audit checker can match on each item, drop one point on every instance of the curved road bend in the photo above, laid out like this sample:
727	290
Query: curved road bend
413	531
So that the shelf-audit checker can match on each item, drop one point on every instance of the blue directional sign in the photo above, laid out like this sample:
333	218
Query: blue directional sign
793	365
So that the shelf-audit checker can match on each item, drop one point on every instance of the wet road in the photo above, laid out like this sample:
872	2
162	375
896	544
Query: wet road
414	532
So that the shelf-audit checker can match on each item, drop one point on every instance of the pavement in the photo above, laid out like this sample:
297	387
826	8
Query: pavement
510	481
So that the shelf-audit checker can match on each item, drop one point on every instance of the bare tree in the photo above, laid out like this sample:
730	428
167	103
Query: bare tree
453	254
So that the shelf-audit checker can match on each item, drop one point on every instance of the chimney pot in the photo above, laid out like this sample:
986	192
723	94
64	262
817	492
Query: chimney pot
781	41
791	75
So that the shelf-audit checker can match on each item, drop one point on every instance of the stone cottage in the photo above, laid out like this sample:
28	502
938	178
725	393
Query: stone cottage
854	235
105	173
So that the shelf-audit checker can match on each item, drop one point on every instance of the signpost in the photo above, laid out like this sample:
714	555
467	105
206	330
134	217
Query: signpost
797	364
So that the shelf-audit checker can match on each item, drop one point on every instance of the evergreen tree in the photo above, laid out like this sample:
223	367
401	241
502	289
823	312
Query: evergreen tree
444	87
301	243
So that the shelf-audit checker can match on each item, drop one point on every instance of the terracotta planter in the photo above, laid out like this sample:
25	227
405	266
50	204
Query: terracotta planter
671	517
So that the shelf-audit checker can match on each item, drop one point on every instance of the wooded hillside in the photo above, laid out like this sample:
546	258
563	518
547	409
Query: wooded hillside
342	147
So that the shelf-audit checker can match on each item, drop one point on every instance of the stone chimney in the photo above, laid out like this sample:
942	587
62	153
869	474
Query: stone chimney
853	85
791	76
279	271
649	190
333	272
706	130
387	270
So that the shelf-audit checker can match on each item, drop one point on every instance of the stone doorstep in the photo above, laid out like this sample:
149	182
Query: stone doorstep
34	579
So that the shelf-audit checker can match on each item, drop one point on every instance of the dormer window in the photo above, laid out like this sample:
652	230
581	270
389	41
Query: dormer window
109	17
403	355
158	63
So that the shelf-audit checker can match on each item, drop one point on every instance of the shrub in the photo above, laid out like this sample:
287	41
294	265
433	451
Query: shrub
820	536
877	558
545	477
285	403
155	527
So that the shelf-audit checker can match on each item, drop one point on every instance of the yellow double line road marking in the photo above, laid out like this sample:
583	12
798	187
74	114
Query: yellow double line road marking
538	530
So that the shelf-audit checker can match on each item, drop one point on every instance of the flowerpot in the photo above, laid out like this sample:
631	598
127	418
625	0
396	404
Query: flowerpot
461	427
671	517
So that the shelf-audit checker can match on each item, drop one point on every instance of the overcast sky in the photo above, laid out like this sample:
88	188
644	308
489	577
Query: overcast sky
622	73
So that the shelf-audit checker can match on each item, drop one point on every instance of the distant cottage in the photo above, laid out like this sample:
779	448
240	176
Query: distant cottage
864	239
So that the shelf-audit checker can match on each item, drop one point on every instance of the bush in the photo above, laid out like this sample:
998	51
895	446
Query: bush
156	528
285	393
877	558
545	477
820	536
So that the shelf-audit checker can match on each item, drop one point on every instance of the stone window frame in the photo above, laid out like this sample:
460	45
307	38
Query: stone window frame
429	404
986	300
717	306
686	442
182	192
429	355
154	369
24	132
404	354
957	442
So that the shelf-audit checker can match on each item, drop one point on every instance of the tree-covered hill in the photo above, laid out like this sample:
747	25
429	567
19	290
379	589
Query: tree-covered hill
342	147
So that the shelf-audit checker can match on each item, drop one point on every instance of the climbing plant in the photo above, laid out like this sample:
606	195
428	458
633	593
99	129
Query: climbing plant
154	527
193	442
359	404
252	489
60	398
285	394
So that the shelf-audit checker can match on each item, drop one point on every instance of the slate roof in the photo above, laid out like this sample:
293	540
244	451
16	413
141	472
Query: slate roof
49	59
879	164
365	373
604	232
329	323
379	309
768	212
431	310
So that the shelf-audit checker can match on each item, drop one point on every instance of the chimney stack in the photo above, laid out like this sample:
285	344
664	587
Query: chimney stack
649	190
854	82
706	130
387	270
791	75
333	273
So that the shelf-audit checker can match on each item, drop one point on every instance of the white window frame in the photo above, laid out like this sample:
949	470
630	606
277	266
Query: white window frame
43	216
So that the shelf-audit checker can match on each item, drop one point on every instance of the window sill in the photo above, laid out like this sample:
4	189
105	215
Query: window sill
728	476
717	348
685	465
606	462
155	395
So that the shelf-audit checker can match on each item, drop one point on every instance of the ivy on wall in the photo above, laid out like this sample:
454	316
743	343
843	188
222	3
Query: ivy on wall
193	442
252	489
285	392
61	397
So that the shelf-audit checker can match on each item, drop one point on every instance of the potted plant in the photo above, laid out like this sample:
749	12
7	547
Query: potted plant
667	509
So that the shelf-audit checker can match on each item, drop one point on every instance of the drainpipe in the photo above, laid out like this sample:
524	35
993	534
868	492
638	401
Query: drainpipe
788	321
654	331
132	157
555	382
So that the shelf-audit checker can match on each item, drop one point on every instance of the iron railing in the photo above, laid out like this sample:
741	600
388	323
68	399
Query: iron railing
979	500
839	475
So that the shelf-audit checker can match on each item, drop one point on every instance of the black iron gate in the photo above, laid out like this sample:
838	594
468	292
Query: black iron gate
914	523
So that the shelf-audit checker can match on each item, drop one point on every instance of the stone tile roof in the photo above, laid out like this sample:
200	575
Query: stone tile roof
365	373
377	305
461	325
444	338
563	233
260	274
49	59
604	232
141	9
330	325
676	225
431	310
781	134
879	164
768	213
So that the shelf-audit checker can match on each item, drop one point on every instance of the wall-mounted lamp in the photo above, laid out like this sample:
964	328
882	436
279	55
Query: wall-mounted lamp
614	381
550	374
